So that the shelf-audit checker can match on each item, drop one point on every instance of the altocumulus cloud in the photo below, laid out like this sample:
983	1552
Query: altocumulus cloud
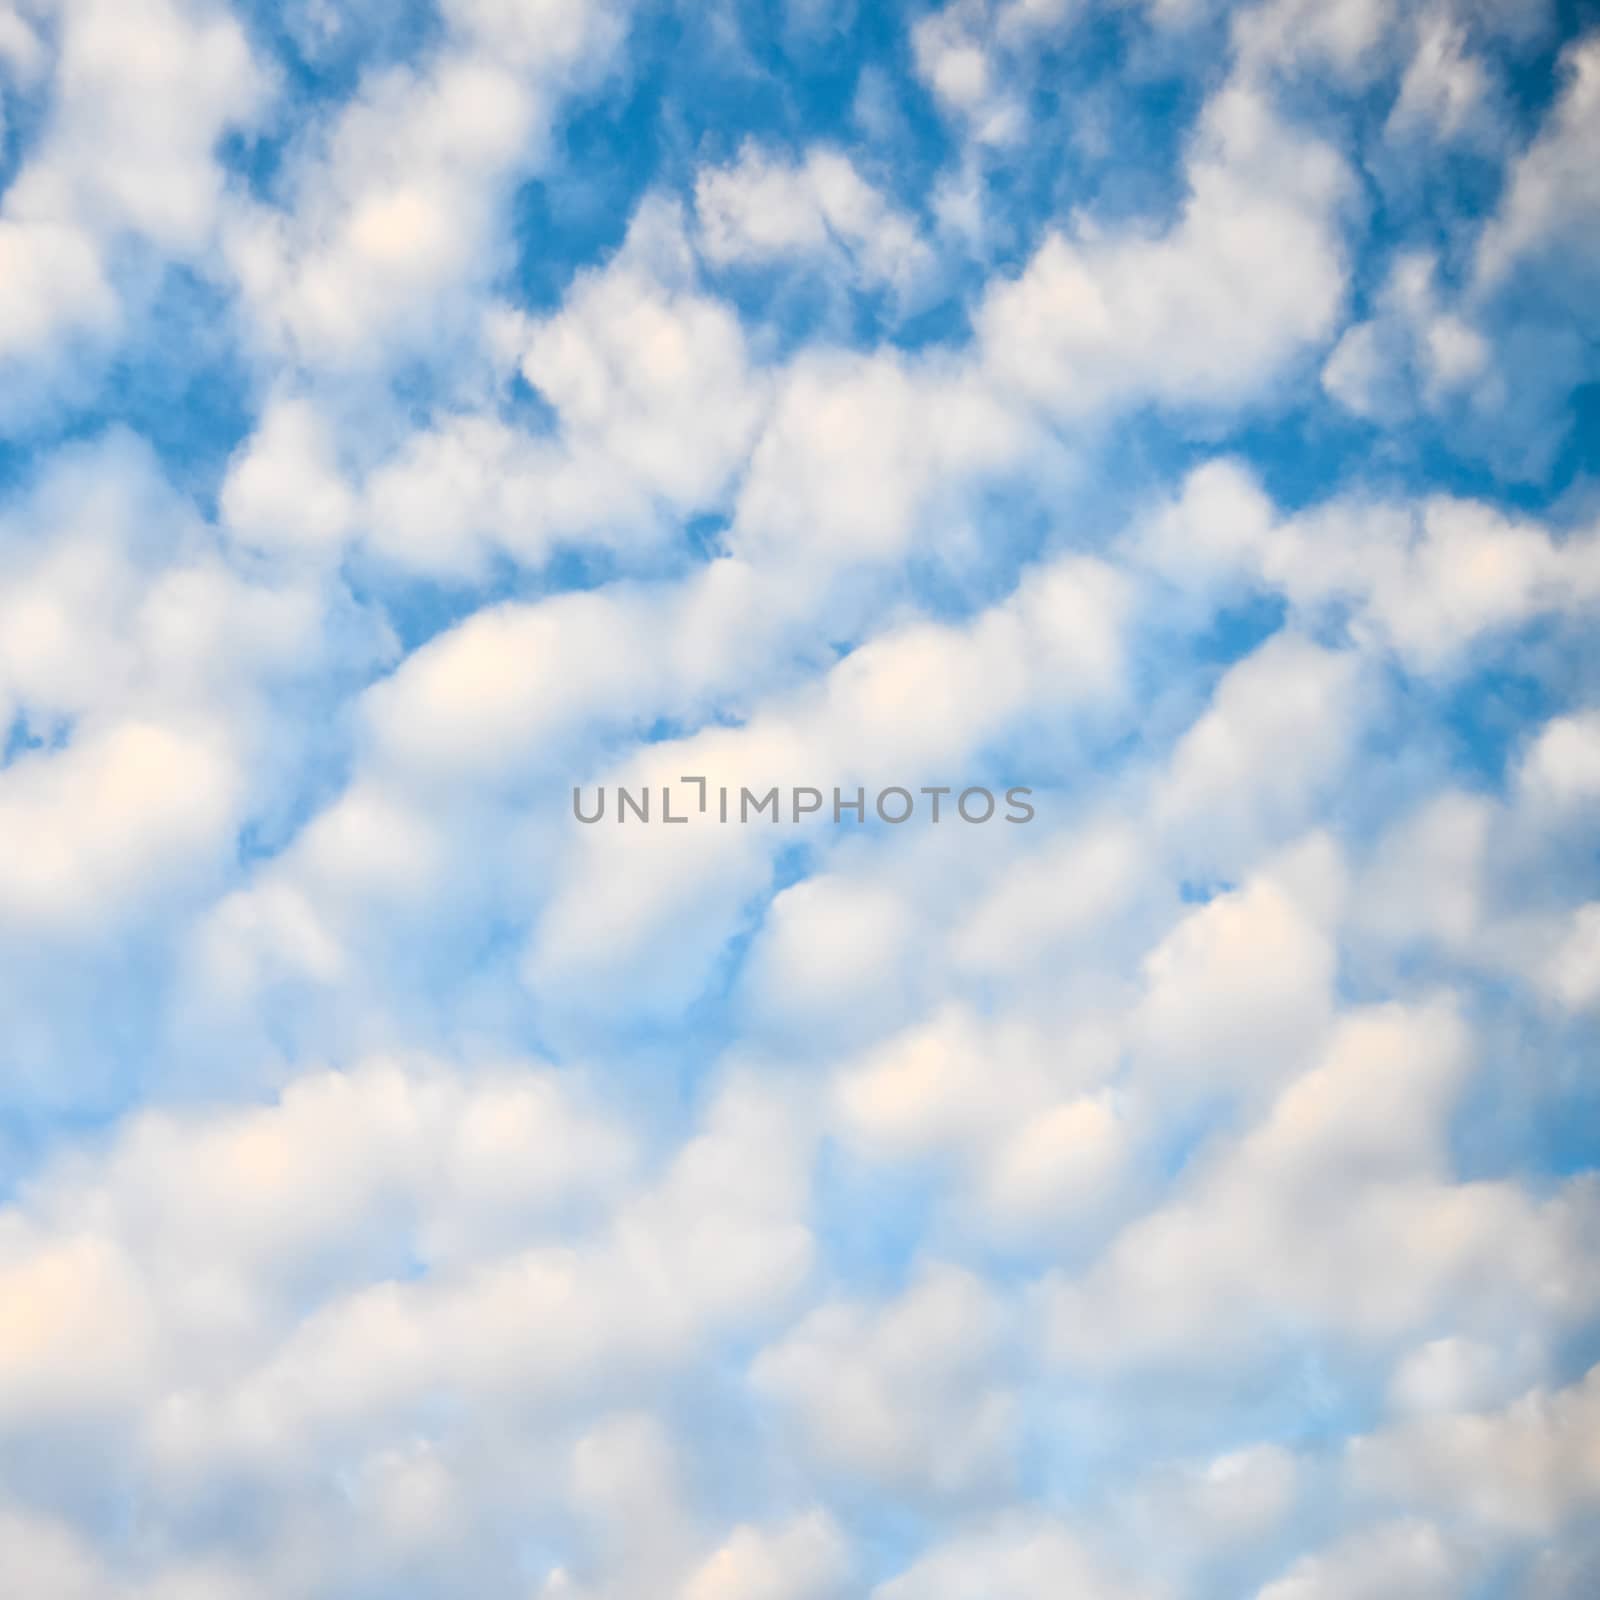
411	414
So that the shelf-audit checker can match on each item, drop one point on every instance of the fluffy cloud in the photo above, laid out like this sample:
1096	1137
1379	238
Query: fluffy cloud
761	209
1412	355
223	1289
1445	86
1426	580
903	1392
142	95
803	1560
1414	1555
1031	1556
1552	192
392	206
1403	1245
1248	277
1039	1141
1526	1468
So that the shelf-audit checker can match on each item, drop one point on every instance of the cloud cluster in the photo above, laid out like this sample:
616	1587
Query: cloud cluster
410	416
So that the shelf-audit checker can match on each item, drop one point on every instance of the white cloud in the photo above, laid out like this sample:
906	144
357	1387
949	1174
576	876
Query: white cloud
1410	1558
1451	1374
649	377
1338	1210
389	212
53	277
1065	894
856	450
1253	767
1573	971
1524	1469
222	1292
1413	354
21	48
1241	990
1426	880
284	490
763	209
805	1559
1040	1144
1213	1507
956	57
1249	277
48	1559
1560	771
135	807
142	663
176	1259
142	92
83	1334
975	58
905	1392
831	945
654	396
1344	37
1445	86
1552	196
1425	579
1032	1557
506	682
649	910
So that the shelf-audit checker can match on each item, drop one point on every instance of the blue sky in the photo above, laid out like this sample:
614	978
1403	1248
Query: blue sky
409	413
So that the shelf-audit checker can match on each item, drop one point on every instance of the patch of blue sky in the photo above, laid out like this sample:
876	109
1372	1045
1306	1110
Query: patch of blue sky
326	53
1532	1111
181	383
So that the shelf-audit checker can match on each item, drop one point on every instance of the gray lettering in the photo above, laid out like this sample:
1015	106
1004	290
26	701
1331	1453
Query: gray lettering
884	816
